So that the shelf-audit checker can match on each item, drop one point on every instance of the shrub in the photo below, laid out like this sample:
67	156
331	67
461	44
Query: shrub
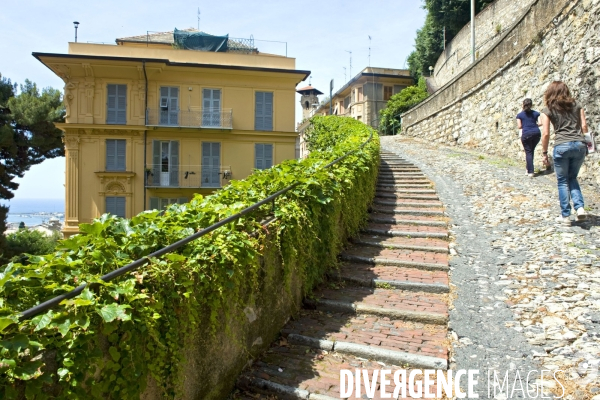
401	103
23	243
107	341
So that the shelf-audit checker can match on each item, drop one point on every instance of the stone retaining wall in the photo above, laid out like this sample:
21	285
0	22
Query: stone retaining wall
554	40
490	24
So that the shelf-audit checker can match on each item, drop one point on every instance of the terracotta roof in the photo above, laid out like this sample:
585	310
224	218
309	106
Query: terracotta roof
307	88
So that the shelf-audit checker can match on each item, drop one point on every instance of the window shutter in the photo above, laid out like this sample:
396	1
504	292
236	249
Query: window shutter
156	162
111	104
182	200
121	104
259	106
174	163
258	156
120	157
268	112
154	203
111	154
115	205
268	156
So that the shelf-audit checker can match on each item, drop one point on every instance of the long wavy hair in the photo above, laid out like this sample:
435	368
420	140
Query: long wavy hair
527	104
558	97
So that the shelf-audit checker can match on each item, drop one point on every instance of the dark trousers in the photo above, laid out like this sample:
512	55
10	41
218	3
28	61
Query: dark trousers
529	143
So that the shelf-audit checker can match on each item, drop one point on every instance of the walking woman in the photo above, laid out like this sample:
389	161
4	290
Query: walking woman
527	121
568	119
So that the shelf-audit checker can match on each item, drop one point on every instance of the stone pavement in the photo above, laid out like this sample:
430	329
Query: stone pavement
527	290
386	307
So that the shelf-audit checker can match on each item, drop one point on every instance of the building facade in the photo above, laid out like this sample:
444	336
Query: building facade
149	124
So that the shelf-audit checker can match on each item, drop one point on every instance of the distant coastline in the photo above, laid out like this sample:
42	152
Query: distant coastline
34	211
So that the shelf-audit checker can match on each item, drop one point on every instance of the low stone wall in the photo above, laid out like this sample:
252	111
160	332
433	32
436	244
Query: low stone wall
555	40
490	24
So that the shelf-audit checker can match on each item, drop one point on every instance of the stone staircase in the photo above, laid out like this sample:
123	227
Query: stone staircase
387	307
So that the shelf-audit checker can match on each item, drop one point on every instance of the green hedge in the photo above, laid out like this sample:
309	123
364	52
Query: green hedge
104	343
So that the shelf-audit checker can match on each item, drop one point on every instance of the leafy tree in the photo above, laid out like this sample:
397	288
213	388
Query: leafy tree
21	225
27	133
429	43
26	241
400	103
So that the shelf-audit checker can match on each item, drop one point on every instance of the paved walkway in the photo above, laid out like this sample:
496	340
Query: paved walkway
387	305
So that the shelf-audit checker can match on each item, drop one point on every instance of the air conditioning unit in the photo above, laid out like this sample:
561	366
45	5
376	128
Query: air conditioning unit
164	102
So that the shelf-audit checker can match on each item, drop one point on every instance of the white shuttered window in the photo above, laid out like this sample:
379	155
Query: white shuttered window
115	154
116	104
263	111
263	156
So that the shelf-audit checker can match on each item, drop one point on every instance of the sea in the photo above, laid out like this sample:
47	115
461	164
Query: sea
34	211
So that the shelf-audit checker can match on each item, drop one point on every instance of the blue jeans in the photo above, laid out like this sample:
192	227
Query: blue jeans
568	158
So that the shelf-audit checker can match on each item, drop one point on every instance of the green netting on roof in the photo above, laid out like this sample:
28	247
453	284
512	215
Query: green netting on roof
200	41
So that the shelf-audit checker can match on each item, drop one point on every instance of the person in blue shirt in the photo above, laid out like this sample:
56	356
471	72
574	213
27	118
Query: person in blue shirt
527	121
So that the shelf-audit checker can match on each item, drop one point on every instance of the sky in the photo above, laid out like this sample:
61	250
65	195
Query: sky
318	35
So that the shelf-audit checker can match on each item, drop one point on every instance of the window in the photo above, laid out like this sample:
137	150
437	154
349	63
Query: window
211	165
116	104
115	154
373	91
169	105
115	205
359	94
346	102
263	156
398	88
165	163
211	107
263	114
159	203
387	92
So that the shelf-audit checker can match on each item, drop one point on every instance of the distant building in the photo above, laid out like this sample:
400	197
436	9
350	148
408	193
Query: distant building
309	99
159	117
366	94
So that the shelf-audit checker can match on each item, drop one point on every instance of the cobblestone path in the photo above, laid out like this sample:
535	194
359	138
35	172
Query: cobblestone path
387	306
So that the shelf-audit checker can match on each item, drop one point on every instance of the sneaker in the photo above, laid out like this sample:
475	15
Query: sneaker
581	214
564	220
531	175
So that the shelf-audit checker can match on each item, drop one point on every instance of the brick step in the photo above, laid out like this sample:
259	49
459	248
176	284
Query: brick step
406	191
423	307
416	204
408	210
292	371
316	328
424	220
396	195
402	278
431	245
417	259
406	230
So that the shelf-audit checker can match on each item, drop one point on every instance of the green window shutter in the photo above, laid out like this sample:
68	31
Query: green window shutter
115	205
174	163
154	204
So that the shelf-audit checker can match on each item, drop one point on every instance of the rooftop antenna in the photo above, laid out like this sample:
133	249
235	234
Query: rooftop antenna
198	18
345	79
348	51
309	80
369	50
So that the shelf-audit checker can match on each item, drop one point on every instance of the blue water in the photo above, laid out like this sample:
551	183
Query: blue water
34	211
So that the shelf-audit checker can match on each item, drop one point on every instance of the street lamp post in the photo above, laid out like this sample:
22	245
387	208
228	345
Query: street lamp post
76	26
331	97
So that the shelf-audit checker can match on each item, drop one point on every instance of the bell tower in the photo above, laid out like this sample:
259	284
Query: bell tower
309	100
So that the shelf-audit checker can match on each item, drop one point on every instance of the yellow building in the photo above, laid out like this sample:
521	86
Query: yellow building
152	122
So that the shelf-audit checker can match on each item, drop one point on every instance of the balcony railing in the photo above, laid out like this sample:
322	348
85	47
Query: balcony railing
206	118
187	176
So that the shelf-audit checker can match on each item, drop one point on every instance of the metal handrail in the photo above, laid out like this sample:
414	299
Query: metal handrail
33	311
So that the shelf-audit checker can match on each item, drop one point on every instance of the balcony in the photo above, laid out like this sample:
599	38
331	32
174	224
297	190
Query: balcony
209	119
187	176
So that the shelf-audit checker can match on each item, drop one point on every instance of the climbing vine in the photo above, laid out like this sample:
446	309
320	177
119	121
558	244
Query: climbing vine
105	342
